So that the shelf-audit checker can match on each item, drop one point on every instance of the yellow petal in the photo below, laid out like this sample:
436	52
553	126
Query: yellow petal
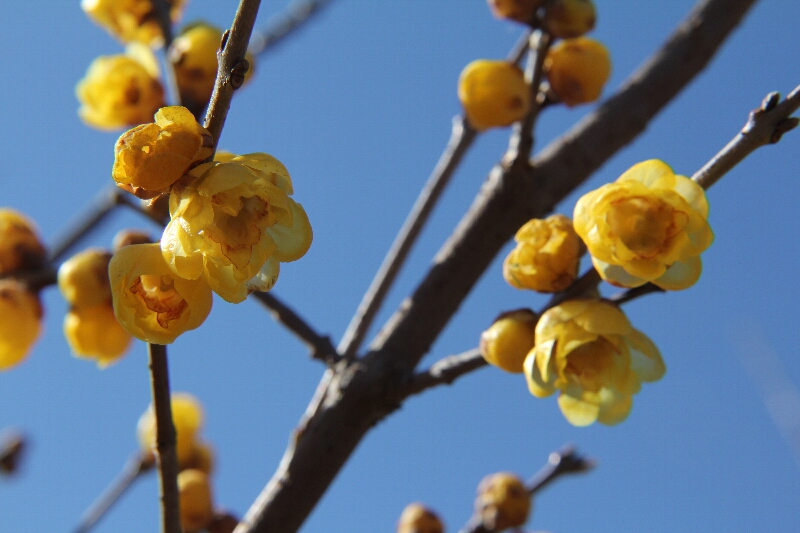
647	172
537	384
292	243
614	407
646	360
577	411
681	275
616	275
266	278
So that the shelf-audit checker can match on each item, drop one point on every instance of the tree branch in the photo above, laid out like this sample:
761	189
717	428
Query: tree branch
166	456
361	392
445	371
283	24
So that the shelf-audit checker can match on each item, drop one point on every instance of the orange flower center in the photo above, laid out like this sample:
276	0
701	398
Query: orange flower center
158	294
646	226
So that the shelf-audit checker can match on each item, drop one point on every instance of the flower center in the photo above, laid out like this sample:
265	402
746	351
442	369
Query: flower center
158	294
237	234
591	364
645	226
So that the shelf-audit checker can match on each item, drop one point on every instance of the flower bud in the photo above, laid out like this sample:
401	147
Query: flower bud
20	322
94	333
83	278
196	507
493	93
502	502
546	257
417	518
149	158
577	69
507	342
223	522
131	20
187	415
20	247
518	10
202	458
120	91
569	18
12	449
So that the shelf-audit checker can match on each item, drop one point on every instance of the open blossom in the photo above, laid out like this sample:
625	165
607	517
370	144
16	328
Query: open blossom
234	224
589	352
20	322
131	20
20	246
546	257
149	158
648	226
150	301
121	90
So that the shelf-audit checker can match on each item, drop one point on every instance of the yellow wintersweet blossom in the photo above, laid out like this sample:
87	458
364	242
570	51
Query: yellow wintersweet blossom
234	224
83	278
417	518
20	322
149	158
577	69
507	342
131	20
493	93
546	257
94	333
569	18
502	502
196	504
121	90
648	226
187	415
588	350
518	10
150	301
193	55
20	246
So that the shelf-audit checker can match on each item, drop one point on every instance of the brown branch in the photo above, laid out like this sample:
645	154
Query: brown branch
282	25
166	456
445	371
134	467
361	392
162	9
232	67
460	141
320	346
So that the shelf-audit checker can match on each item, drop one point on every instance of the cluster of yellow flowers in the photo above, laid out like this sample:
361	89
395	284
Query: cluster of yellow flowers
125	90
497	94
20	307
232	224
648	226
195	463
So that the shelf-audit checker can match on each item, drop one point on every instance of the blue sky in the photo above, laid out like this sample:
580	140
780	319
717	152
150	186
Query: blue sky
358	106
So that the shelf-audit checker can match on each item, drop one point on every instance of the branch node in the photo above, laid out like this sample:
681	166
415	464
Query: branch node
782	127
770	101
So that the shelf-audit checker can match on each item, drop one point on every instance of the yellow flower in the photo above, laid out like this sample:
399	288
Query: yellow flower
648	226
518	10
131	20
193	55
120	91
577	69
150	301
506	343
587	350
94	333
20	322
493	93
546	257
417	518
83	278
234	224
20	247
196	504
569	18
149	158
187	415
502	502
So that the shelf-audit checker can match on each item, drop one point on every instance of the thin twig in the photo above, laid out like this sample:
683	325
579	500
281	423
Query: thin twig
320	346
134	467
564	461
460	141
445	371
520	47
232	67
281	25
166	456
162	8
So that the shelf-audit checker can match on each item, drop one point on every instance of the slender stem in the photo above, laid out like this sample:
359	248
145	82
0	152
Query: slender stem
134	467
460	140
12	448
162	9
232	67
283	24
320	345
166	456
445	371
520	47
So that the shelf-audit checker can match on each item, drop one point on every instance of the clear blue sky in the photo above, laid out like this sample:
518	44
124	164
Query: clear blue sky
358	106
